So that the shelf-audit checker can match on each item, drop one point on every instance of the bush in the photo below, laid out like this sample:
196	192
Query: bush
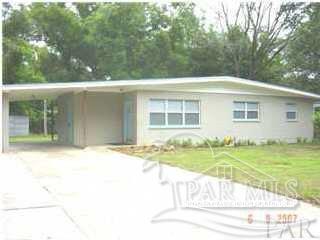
216	142
244	142
302	140
228	140
186	143
282	142
210	143
174	142
315	141
316	121
271	142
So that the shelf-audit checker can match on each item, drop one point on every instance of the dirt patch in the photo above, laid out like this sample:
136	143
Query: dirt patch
141	150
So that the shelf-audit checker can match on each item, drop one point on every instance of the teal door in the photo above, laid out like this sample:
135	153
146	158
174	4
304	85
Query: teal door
128	120
69	121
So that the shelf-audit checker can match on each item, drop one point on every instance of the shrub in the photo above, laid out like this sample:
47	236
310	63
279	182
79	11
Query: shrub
316	141
244	142
302	140
251	143
316	121
282	142
174	142
187	143
184	143
228	140
210	143
271	142
216	142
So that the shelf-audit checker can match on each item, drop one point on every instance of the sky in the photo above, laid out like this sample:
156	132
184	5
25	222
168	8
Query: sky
210	9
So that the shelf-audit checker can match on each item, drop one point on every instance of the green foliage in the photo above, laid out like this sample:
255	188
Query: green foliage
215	142
304	51
271	142
316	120
183	143
302	140
174	142
100	41
186	143
244	142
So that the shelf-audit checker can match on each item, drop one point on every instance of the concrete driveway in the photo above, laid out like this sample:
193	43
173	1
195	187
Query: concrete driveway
55	192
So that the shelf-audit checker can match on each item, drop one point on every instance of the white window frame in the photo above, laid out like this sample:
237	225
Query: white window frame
296	112
246	119
183	114
165	111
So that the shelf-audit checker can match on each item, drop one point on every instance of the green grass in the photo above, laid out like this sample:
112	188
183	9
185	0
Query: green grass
33	138
283	162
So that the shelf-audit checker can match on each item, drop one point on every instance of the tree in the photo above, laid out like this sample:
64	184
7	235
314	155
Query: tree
19	55
303	54
60	29
260	34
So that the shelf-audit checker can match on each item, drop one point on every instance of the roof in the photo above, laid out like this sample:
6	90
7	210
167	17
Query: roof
217	83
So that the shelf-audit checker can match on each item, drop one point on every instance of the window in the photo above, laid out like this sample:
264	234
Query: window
157	112
174	113
192	113
291	112
248	111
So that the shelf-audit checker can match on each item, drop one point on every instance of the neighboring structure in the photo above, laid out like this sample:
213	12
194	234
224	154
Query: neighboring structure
143	111
316	106
18	126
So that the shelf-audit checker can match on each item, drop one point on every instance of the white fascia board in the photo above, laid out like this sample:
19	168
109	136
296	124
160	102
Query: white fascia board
73	86
272	87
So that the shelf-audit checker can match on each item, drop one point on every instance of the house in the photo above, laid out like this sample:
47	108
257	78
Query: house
143	111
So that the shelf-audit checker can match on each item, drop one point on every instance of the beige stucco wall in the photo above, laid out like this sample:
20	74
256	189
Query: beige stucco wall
217	118
97	118
104	118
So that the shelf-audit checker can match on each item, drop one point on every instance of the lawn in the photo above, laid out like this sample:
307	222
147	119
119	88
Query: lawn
31	138
283	162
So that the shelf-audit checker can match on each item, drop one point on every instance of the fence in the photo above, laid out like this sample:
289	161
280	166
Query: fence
18	125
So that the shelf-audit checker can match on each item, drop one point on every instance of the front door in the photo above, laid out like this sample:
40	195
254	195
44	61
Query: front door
128	120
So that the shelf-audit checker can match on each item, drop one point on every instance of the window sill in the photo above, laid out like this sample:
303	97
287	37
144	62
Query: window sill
293	120
176	127
246	120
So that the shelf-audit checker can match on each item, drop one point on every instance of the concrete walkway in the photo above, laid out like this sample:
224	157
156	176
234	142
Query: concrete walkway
57	192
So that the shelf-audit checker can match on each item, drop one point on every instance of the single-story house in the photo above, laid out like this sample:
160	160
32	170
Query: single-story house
143	111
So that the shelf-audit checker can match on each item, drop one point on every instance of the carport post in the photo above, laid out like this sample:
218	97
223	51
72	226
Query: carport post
1	144
5	122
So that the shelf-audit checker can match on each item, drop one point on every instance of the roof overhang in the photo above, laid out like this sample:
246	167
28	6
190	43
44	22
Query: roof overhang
223	84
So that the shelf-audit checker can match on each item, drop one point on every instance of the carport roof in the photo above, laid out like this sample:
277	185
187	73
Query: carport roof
215	84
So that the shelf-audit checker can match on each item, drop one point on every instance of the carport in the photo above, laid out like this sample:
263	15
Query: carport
72	99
